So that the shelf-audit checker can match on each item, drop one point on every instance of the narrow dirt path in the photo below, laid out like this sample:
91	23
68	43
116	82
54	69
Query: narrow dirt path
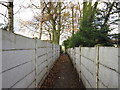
63	75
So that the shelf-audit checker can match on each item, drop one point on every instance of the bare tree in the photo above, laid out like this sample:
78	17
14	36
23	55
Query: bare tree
9	6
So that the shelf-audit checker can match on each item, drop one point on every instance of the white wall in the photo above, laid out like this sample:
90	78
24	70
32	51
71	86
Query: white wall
25	61
97	66
108	67
88	71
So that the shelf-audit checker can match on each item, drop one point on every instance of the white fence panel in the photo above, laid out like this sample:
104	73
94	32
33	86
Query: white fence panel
98	66
108	68
25	61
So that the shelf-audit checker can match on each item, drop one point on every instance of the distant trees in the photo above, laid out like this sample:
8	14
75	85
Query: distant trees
56	18
84	35
50	19
61	17
95	25
53	19
54	9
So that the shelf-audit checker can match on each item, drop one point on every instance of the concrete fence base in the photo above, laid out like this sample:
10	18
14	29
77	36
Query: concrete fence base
96	66
25	62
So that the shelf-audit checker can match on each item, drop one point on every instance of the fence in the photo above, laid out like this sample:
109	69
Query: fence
26	62
0	59
96	66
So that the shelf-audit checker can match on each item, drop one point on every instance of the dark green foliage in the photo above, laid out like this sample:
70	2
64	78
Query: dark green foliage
94	28
66	43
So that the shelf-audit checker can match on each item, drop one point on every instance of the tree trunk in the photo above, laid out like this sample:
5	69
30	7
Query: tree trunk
41	20
59	24
10	15
72	20
40	32
56	37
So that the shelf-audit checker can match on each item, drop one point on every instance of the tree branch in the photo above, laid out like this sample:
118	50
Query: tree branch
4	15
3	4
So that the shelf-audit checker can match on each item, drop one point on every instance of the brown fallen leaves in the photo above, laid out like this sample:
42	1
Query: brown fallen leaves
62	75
